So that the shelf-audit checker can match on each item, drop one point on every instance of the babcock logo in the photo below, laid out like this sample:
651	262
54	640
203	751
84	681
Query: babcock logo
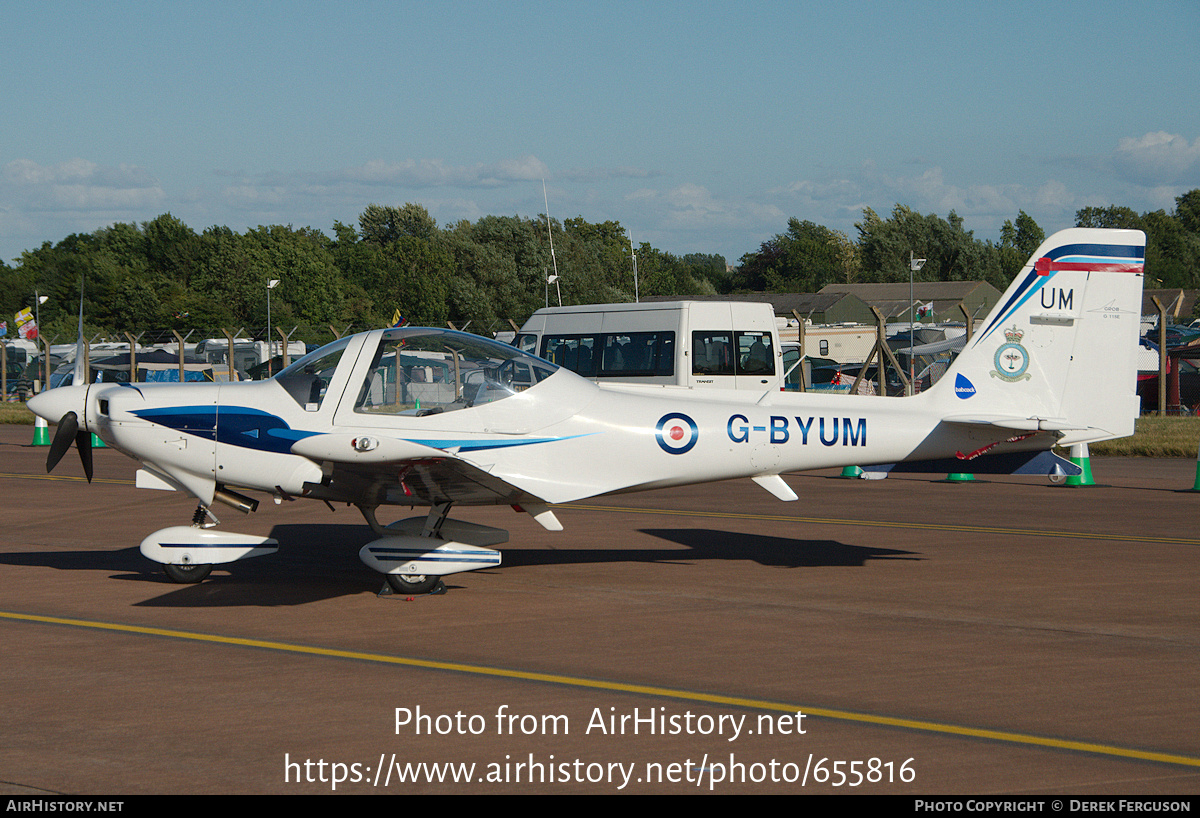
676	433
963	387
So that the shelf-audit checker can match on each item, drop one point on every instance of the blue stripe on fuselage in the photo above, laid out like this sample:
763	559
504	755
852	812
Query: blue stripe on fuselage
262	431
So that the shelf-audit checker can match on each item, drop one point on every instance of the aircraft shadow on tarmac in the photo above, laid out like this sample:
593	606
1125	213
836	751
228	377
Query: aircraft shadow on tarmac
317	562
707	544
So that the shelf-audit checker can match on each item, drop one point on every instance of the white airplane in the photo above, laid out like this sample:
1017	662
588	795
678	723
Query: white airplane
433	417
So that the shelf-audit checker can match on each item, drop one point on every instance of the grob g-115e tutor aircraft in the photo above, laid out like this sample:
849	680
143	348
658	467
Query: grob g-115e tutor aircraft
433	417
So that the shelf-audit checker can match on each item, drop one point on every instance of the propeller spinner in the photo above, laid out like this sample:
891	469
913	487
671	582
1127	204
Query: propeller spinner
65	406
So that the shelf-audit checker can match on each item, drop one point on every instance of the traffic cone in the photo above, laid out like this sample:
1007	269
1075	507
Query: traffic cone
1080	457
959	477
41	432
1196	485
97	443
851	472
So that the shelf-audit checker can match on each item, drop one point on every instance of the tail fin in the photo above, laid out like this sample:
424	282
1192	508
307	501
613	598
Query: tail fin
1059	351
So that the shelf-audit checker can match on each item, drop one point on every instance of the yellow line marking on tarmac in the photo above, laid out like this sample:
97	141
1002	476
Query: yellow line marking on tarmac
621	687
66	478
970	529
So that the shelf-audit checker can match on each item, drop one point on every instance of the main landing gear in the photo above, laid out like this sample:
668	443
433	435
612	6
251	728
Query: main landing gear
188	553
414	554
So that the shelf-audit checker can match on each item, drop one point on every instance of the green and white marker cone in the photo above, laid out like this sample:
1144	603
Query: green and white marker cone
1196	485
1080	457
41	432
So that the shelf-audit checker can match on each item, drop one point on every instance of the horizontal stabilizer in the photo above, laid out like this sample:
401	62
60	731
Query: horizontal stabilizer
1037	463
1034	424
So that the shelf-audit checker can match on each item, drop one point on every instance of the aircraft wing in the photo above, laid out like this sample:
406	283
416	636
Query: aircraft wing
371	470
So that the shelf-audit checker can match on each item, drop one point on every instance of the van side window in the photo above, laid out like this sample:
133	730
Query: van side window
573	352
721	352
755	356
638	353
712	353
615	354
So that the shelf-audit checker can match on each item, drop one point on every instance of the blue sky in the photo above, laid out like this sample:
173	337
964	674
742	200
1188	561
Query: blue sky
701	127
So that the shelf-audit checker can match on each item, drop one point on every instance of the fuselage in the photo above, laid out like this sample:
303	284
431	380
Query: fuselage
542	429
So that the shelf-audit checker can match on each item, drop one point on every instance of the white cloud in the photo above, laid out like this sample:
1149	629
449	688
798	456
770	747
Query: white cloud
1157	159
604	174
426	173
692	207
838	202
77	185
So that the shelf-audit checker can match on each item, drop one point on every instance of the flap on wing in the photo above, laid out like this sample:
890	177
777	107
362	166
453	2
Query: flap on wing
542	513
432	477
776	485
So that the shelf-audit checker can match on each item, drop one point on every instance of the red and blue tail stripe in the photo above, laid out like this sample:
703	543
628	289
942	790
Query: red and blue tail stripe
1107	258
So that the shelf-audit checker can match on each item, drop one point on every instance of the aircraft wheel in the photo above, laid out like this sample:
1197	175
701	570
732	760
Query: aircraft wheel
412	583
186	574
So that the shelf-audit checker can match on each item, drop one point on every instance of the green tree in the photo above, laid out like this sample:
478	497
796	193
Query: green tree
803	259
310	285
951	253
382	225
1187	211
1017	243
1108	217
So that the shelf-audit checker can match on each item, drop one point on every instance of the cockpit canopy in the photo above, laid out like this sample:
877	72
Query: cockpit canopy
418	371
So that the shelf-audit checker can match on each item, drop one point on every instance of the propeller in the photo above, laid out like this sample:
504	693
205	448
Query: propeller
69	423
68	427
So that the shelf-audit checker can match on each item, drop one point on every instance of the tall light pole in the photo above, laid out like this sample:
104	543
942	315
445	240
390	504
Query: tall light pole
38	301
914	264
272	284
633	255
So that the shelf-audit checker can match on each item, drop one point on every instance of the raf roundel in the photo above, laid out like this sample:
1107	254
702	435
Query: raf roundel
676	433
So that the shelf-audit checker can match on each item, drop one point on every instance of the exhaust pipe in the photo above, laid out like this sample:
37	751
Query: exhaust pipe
233	499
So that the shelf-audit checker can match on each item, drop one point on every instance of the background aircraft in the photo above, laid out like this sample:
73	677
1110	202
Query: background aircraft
431	417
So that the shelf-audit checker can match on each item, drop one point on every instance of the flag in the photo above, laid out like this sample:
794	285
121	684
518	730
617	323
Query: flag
24	316
397	319
925	310
28	331
3	328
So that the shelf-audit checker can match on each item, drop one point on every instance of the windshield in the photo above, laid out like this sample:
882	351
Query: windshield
420	371
308	379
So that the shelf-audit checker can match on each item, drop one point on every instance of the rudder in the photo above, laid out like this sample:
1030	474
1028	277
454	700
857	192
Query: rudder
1061	344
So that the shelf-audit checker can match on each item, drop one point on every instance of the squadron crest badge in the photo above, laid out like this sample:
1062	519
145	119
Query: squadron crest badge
1012	359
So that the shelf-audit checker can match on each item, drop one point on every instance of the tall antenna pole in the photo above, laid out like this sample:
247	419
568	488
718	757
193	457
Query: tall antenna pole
549	232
